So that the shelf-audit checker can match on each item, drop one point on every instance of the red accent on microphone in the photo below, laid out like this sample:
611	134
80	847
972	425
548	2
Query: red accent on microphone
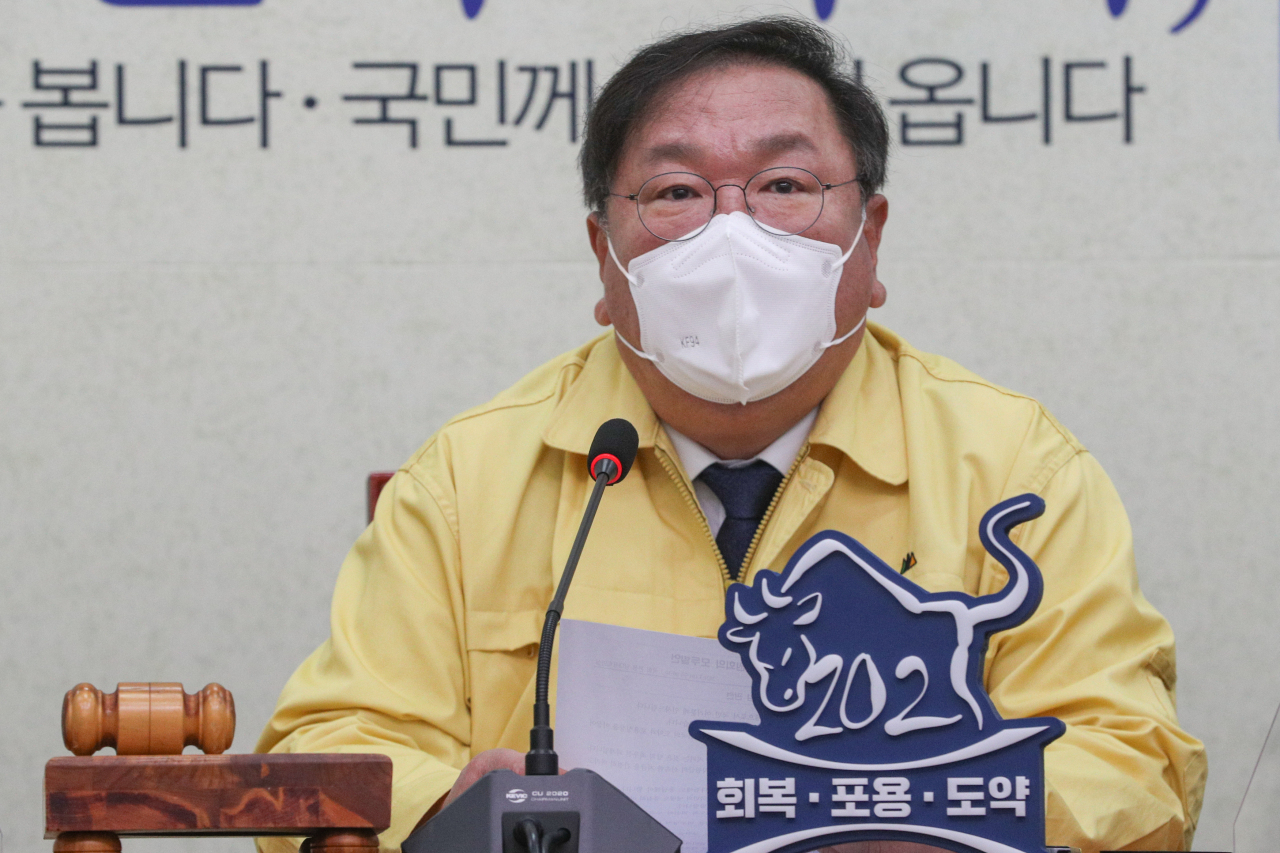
616	461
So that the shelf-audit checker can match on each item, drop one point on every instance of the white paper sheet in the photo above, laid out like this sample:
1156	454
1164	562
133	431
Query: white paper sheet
624	701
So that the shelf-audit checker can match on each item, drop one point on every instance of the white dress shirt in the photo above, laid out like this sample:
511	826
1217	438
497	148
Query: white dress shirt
695	458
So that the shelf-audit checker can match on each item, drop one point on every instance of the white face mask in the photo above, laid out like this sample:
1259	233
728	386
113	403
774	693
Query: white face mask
736	314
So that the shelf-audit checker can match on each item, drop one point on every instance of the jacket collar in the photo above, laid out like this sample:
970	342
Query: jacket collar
861	417
604	389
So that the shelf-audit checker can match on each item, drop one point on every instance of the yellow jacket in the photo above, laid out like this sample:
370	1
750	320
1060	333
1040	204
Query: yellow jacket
439	606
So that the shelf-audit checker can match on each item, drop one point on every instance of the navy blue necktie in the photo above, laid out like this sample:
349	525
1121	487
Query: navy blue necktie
746	493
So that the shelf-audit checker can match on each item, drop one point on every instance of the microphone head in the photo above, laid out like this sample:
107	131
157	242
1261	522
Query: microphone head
617	440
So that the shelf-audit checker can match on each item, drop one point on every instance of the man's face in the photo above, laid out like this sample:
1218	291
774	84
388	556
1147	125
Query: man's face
727	124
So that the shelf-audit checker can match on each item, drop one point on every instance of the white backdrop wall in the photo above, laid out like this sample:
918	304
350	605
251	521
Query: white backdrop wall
206	344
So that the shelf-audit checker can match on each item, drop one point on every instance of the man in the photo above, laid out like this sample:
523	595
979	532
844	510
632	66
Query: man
733	176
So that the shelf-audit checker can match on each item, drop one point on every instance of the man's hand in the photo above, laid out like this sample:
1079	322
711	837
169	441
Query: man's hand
490	759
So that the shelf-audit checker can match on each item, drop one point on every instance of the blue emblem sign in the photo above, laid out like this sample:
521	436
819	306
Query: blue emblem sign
874	722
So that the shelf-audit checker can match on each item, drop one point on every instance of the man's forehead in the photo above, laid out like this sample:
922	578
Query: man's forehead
653	152
756	112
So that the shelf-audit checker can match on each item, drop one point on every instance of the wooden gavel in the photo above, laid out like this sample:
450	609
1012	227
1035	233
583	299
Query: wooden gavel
148	719
339	802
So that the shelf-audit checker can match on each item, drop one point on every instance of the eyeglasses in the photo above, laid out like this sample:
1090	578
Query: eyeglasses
677	206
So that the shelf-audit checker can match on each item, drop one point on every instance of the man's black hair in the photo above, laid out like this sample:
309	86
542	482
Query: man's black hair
627	99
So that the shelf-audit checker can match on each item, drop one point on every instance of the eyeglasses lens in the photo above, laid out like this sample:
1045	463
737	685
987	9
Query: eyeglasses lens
677	205
786	200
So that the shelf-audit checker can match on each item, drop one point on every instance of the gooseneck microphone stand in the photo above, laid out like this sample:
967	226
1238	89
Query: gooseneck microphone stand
542	759
545	811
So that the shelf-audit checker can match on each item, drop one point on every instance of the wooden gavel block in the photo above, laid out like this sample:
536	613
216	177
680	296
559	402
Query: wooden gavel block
339	801
148	719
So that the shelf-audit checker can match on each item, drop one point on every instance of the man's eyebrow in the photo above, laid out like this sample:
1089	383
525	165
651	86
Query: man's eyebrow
679	151
785	143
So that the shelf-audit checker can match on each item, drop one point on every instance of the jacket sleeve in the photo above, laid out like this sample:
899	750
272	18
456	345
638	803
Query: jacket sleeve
1098	656
392	677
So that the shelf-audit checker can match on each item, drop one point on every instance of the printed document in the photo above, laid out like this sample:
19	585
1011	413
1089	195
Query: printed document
624	701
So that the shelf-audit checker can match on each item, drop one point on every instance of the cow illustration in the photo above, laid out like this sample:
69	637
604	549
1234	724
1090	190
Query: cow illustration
839	616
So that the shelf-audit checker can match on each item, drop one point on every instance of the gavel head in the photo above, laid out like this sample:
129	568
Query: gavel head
148	719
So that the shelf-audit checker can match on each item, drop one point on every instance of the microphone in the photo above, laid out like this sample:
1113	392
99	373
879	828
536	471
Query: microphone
612	453
574	812
616	442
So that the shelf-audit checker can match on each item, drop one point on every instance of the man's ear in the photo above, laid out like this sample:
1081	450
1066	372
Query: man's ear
877	215
599	241
878	294
601	313
600	245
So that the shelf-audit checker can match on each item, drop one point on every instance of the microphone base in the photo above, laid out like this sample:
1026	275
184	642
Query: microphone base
485	817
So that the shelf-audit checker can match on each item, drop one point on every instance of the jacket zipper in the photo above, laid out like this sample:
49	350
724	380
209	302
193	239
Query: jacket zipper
768	513
692	501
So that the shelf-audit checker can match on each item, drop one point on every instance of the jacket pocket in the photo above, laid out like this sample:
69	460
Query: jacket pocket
502	650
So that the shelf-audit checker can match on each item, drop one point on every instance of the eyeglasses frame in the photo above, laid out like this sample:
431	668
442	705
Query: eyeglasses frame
715	201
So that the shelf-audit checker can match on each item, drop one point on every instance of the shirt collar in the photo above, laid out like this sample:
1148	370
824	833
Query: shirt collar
861	417
780	454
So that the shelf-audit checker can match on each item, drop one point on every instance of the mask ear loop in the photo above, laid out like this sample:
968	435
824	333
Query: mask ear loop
623	269
857	238
633	281
840	265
